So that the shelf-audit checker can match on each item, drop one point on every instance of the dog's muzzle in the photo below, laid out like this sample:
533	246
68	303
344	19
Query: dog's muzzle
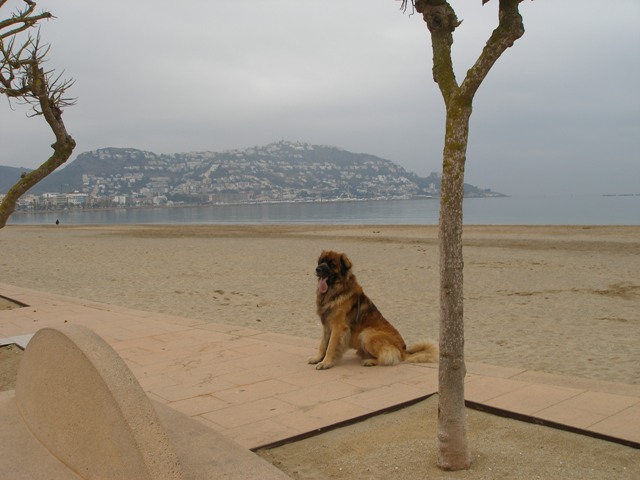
323	271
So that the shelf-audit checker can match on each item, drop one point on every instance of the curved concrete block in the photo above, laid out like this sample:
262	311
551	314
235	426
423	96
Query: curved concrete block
85	406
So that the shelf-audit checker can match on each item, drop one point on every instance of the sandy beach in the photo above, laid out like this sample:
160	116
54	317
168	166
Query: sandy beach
563	300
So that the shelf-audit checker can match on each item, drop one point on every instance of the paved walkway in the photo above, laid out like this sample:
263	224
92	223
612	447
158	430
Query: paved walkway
257	389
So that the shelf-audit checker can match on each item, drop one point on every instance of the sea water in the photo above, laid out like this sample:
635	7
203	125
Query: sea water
523	210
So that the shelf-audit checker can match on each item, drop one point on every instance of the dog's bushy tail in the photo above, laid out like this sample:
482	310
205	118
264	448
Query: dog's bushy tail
422	352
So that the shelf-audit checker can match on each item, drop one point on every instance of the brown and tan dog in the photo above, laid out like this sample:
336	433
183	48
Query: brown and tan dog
351	320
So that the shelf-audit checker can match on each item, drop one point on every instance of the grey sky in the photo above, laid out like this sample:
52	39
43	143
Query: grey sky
559	112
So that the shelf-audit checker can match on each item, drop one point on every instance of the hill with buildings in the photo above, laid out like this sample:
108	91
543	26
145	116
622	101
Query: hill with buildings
282	171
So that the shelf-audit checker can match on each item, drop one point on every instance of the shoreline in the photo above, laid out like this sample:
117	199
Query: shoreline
589	210
555	299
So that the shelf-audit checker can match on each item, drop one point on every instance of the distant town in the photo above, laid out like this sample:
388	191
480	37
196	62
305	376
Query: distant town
279	172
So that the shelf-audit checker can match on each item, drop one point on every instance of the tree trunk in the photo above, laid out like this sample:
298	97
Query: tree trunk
62	152
453	449
62	147
22	76
441	20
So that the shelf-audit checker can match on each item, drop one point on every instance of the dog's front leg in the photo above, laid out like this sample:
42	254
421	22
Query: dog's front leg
322	350
338	339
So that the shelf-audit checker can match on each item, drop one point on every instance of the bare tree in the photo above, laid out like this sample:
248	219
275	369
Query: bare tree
441	20
22	77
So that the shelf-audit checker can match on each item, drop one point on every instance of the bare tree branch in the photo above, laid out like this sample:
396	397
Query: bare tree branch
22	20
22	77
441	21
509	29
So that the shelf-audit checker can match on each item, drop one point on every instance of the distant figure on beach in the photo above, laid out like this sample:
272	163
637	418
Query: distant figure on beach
57	222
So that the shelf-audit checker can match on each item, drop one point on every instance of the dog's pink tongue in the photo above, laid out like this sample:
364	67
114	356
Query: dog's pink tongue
322	285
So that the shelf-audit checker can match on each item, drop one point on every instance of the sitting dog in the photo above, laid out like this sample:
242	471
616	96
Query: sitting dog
351	320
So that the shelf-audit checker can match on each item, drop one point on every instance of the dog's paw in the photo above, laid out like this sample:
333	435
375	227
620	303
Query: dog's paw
324	365
369	362
313	360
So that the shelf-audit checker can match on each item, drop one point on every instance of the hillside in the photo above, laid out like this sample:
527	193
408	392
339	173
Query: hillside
282	171
9	176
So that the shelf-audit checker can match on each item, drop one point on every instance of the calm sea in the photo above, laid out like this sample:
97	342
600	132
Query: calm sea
543	210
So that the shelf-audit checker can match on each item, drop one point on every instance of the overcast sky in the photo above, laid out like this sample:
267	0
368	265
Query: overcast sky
558	113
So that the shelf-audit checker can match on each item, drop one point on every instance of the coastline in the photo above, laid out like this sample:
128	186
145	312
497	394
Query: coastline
555	299
539	210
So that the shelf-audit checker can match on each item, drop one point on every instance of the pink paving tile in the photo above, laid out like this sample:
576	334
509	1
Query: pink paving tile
155	398
326	392
15	314
196	357
579	383
197	373
230	329
307	377
426	366
428	382
137	325
322	415
171	322
532	398
176	320
253	347
601	403
136	350
348	365
199	405
302	353
572	417
186	343
199	359
258	374
372	377
146	344
625	425
287	339
386	397
255	391
492	370
238	343
152	382
164	367
247	413
148	329
187	337
114	334
269	357
480	389
164	357
305	343
217	360
260	433
209	424
183	391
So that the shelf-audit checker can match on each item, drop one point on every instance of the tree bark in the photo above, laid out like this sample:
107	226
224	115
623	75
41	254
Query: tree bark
62	147
441	20
453	448
22	77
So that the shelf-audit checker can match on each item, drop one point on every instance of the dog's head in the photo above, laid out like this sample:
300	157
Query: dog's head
332	267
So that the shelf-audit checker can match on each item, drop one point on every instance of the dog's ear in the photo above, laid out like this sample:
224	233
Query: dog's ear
345	264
